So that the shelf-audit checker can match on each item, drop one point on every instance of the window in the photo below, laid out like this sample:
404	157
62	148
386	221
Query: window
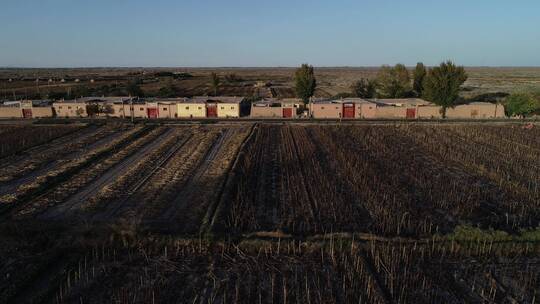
322	108
60	107
199	108
69	108
223	108
187	108
232	108
142	109
164	109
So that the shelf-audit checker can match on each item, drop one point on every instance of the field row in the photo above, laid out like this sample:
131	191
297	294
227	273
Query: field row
392	180
408	180
336	271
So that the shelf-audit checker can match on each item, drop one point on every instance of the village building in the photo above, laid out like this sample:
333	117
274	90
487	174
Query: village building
347	108
189	108
476	110
223	106
70	108
275	108
26	109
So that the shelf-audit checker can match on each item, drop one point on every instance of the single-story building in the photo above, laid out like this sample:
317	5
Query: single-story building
275	108
26	109
266	108
190	108
331	109
223	106
404	108
11	110
139	109
476	110
70	108
348	108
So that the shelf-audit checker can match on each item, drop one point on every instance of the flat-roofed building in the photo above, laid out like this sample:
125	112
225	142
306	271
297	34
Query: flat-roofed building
276	108
476	110
70	108
223	106
348	108
191	108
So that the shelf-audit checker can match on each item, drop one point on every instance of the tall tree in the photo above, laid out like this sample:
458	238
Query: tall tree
305	82
394	82
418	79
214	82
443	83
364	88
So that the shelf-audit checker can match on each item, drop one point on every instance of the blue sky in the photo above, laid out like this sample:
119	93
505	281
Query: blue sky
78	33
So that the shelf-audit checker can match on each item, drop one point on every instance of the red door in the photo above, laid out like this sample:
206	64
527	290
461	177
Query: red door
287	112
348	110
411	113
27	113
152	112
211	110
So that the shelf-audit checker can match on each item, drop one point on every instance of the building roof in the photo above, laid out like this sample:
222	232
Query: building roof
341	101
115	99
400	102
218	99
267	102
480	103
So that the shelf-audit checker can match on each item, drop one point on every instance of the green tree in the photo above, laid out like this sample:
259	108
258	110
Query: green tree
522	104
394	82
364	88
92	109
418	79
305	82
442	85
133	88
214	82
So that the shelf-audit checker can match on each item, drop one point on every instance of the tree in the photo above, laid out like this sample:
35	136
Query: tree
522	104
394	82
134	89
442	85
364	88
214	82
418	79
305	82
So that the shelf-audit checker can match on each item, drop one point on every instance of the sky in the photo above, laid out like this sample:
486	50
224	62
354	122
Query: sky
227	33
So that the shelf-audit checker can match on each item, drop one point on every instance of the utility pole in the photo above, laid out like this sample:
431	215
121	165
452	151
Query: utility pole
132	109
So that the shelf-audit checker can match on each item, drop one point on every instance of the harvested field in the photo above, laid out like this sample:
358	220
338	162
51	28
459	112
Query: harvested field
16	139
392	180
274	213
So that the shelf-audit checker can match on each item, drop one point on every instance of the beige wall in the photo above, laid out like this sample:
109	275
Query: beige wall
186	109
326	110
367	110
120	110
228	110
70	109
476	111
10	112
429	112
38	112
139	111
391	112
266	111
167	110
